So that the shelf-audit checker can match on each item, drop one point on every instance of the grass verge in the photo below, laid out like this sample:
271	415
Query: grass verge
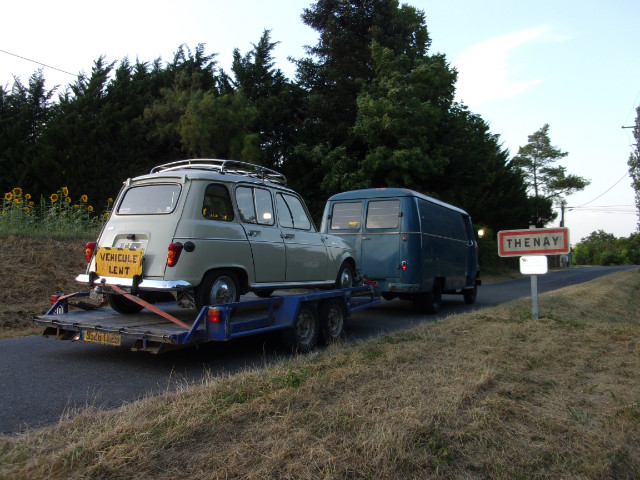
487	394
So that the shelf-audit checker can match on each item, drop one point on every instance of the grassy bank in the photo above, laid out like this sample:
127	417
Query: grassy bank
488	394
32	269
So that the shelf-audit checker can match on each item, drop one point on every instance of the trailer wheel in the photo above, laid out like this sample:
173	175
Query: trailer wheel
122	304
303	335
470	294
429	302
333	318
217	287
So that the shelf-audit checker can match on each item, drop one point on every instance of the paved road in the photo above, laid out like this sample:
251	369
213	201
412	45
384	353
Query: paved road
42	378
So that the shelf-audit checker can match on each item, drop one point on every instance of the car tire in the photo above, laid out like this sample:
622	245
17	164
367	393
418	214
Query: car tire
470	295
429	302
122	304
302	337
333	319
346	276
217	287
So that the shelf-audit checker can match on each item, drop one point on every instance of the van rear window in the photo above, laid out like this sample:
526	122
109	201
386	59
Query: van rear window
346	216
383	214
152	199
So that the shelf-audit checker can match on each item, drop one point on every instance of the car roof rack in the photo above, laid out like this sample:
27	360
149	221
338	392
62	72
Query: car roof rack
225	166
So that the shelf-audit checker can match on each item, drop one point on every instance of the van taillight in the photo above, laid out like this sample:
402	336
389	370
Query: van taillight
404	266
89	249
174	253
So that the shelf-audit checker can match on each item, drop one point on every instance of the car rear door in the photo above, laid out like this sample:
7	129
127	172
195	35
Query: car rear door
255	206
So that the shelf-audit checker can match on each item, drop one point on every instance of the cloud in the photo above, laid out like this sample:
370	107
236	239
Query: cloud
486	73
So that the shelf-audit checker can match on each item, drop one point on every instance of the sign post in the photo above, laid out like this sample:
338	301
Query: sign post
532	246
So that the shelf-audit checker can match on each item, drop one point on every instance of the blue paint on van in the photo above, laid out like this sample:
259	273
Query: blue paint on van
412	246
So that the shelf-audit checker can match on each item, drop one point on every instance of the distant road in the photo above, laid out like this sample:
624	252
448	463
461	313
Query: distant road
42	378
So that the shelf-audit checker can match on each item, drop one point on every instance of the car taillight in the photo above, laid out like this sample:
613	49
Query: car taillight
89	249
174	253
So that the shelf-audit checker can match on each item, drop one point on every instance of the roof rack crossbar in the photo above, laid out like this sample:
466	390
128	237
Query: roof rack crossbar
225	166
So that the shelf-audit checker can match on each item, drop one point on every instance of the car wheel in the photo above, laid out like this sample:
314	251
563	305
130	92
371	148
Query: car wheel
218	287
429	302
346	276
470	295
303	335
333	318
263	293
122	304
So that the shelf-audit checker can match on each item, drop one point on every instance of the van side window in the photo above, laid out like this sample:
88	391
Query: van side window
291	212
217	203
255	205
383	214
346	216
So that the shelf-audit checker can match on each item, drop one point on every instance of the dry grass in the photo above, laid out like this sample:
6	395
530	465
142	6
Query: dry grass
33	268
489	394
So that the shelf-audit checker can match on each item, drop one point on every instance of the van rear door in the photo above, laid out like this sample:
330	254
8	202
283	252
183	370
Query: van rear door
381	239
345	221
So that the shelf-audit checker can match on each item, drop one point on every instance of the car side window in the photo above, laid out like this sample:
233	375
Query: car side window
255	205
291	213
217	203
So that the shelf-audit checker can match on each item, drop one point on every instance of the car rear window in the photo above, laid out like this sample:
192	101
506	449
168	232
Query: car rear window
153	199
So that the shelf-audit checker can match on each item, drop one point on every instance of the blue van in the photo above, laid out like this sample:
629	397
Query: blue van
412	246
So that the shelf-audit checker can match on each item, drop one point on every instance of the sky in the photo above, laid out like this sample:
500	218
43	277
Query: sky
573	64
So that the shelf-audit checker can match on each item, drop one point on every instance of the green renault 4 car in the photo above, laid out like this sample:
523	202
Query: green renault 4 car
207	231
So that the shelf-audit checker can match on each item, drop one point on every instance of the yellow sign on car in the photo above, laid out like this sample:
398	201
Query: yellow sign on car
119	262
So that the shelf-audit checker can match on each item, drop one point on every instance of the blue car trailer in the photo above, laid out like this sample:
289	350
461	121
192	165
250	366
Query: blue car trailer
304	319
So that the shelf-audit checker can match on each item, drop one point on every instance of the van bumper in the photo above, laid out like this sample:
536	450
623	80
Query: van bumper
145	284
399	287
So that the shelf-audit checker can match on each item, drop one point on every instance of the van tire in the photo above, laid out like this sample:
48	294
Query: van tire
429	302
346	276
122	304
217	287
470	295
302	337
333	318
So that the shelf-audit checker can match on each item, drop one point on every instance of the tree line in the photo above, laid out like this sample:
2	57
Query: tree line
369	106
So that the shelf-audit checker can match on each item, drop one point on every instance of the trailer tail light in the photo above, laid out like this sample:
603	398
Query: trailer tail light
214	315
90	247
173	255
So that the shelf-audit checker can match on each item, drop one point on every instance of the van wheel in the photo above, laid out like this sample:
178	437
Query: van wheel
470	294
333	318
217	287
266	293
122	304
429	302
346	276
303	335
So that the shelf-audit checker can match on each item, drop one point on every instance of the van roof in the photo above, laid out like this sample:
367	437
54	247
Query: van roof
391	192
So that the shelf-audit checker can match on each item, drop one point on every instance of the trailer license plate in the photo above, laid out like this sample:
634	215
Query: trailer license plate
107	338
119	262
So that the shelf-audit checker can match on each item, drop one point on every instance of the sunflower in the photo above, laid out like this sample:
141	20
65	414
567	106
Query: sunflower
110	200
84	198
31	203
17	200
8	196
65	191
90	208
17	191
67	199
54	197
28	196
26	209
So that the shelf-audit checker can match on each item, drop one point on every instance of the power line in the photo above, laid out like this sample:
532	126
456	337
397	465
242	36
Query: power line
37	63
607	191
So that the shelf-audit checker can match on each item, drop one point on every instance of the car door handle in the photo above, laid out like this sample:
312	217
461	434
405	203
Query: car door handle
287	236
254	233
